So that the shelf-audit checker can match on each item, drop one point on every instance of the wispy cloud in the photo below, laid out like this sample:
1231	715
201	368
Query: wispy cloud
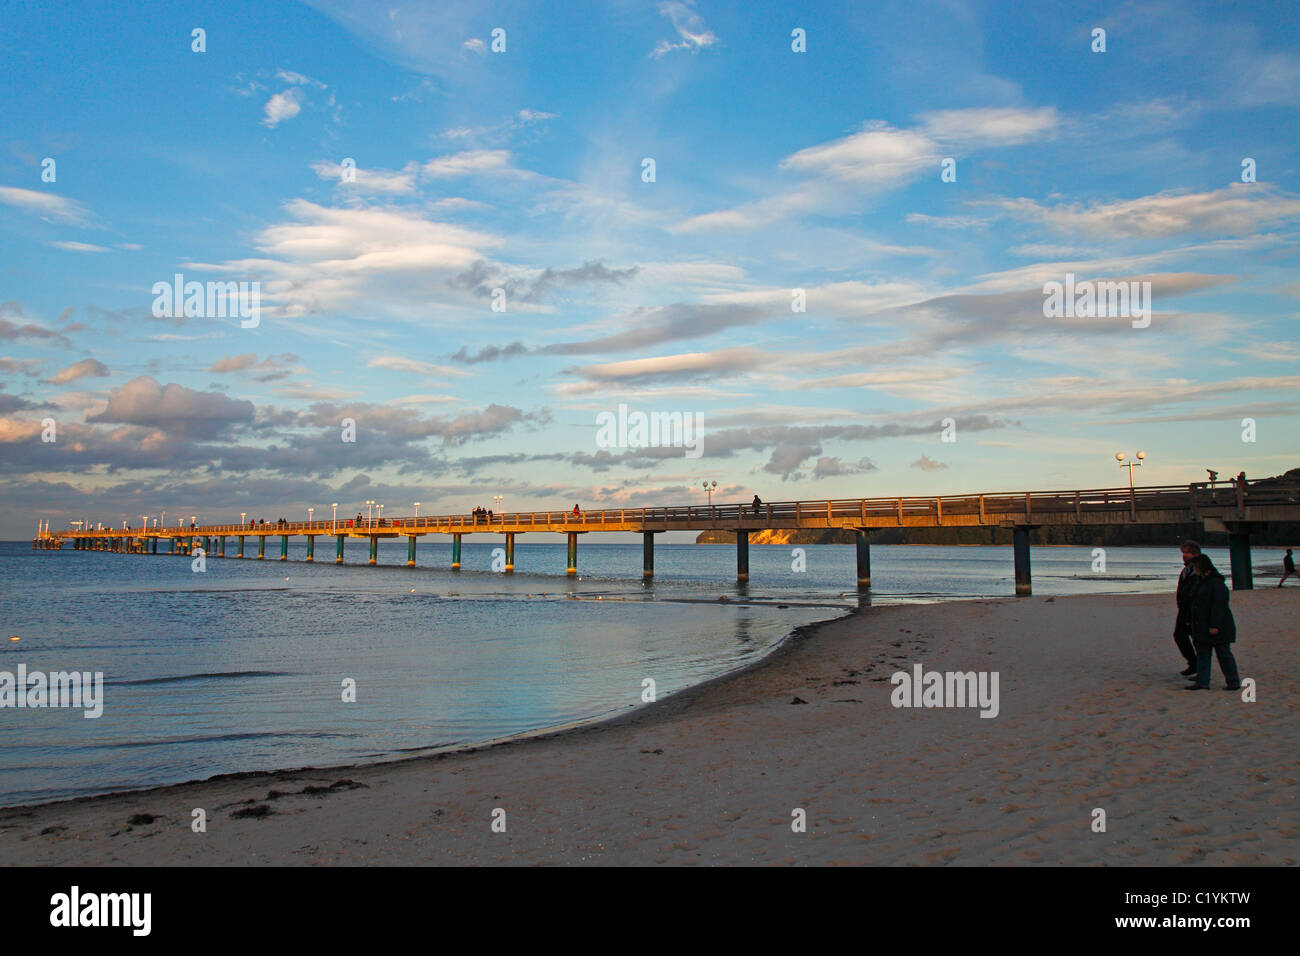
692	33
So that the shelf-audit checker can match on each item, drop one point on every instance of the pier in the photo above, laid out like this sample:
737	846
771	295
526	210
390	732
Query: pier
1235	510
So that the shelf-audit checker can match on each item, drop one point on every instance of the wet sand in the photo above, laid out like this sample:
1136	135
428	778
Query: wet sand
1092	715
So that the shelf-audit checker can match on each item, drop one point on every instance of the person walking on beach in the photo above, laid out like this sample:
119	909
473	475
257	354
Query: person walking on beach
1288	567
1213	628
1187	581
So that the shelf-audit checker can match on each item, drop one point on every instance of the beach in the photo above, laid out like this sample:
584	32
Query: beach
1091	716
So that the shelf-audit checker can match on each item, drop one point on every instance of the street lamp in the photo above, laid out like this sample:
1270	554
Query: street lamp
369	513
335	525
310	511
417	511
498	499
381	515
242	516
1130	464
708	488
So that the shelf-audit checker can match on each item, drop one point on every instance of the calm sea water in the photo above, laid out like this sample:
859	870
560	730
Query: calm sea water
241	667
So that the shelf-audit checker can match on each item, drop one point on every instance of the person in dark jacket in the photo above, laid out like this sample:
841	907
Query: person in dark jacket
1183	597
1288	567
1213	628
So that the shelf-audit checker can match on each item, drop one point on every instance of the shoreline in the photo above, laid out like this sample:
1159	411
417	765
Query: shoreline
1089	718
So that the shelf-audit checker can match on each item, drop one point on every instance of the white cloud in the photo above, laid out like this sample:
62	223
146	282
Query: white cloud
327	258
982	127
289	76
45	205
1240	209
399	363
880	155
78	247
692	32
474	45
390	182
470	162
282	106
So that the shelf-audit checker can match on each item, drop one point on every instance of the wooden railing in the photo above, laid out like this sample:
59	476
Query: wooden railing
1021	505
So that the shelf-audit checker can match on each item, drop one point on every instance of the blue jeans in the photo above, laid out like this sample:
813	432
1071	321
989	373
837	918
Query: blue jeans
1227	664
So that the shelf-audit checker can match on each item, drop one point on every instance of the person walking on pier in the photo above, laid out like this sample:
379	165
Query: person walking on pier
577	513
1187	581
1288	567
1213	628
758	505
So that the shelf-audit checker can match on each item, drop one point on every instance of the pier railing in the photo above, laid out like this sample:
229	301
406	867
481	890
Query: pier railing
1172	503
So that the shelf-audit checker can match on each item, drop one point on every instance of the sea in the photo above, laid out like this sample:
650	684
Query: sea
243	665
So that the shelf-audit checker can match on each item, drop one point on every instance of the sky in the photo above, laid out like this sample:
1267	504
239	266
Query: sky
823	232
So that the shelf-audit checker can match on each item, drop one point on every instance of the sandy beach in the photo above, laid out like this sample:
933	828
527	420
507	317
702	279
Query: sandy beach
1092	715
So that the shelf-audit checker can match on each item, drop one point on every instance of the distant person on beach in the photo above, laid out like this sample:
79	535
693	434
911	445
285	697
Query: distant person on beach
1213	628
758	504
1187	581
1288	567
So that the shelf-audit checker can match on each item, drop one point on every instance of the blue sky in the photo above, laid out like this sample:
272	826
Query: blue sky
522	170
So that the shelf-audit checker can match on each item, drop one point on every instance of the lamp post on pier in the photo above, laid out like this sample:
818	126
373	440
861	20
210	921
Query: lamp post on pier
1130	464
498	499
310	512
369	514
334	522
708	488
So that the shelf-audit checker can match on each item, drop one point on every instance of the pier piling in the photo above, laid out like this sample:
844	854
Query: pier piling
455	552
1243	575
742	555
647	555
1020	545
864	558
